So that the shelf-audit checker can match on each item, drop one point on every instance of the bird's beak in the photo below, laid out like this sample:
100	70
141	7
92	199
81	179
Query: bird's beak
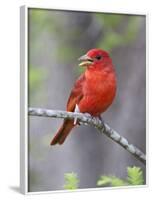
86	60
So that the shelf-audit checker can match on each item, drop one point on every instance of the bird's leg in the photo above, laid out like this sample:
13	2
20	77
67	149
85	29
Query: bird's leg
85	123
77	111
102	121
88	115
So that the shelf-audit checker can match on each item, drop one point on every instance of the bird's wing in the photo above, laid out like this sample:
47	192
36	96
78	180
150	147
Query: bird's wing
76	94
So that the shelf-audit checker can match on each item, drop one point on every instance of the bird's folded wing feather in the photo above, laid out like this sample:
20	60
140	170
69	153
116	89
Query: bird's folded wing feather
76	94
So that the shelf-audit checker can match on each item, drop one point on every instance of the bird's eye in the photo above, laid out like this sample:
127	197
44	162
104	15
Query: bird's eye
98	57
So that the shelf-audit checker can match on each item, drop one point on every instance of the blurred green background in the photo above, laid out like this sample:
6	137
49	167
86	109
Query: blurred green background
56	40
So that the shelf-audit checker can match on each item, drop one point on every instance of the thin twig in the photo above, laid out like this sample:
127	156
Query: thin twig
100	125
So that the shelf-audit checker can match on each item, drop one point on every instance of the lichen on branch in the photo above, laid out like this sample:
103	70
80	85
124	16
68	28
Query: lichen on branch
96	122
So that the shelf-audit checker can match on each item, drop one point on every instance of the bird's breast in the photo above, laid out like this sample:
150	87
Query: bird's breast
99	91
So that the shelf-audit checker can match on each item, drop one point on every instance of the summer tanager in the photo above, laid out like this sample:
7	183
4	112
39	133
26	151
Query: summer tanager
93	92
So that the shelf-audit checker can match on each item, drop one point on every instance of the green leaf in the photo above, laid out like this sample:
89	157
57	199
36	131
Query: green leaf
71	181
135	176
111	181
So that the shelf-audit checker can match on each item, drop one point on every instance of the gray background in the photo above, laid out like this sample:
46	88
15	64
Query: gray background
56	40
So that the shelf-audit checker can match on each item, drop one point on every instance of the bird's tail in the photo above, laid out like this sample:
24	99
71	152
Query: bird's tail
63	132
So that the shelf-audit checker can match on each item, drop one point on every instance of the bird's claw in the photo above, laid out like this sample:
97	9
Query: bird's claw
87	115
85	123
100	118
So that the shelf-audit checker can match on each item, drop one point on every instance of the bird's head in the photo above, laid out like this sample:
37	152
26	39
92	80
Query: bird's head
94	57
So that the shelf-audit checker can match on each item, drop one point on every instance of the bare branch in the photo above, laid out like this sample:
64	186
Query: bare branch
97	123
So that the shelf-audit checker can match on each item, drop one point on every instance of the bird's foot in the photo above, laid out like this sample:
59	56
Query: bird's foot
102	122
100	118
88	114
85	123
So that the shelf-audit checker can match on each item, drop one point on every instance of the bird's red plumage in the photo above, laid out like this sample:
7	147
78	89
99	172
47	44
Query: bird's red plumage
93	92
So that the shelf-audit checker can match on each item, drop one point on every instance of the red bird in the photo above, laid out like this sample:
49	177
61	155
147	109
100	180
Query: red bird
93	92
